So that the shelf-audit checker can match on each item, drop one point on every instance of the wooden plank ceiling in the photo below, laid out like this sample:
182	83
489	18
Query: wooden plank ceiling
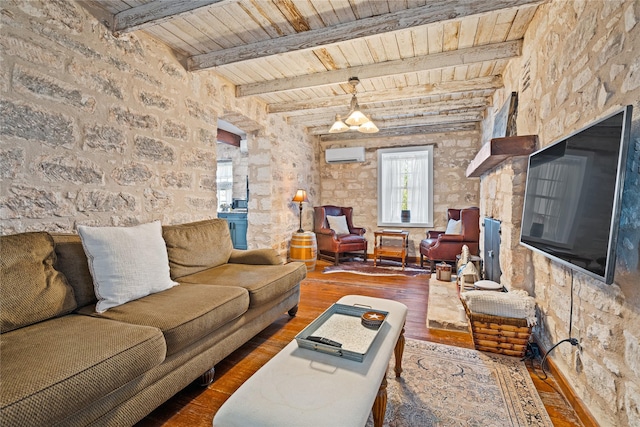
424	65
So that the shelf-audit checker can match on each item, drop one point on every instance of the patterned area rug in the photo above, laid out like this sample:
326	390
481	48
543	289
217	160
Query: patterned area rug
386	268
449	386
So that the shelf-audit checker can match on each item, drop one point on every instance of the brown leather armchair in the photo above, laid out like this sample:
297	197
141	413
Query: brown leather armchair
439	246
331	244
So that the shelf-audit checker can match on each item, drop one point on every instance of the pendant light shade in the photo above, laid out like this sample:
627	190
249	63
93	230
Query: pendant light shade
338	126
368	127
356	119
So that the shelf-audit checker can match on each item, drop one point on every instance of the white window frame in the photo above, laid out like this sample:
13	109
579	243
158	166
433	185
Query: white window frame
384	157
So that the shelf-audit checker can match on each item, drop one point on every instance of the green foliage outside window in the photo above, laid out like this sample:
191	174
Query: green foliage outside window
405	188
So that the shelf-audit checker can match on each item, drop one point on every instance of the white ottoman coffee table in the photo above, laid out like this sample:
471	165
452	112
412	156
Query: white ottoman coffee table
301	387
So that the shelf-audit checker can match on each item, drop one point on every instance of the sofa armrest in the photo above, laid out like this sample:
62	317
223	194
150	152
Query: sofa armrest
255	257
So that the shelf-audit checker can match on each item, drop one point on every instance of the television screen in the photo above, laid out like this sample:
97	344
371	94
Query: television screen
572	197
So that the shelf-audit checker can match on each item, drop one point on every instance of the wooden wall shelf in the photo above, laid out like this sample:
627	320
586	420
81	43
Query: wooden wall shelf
499	149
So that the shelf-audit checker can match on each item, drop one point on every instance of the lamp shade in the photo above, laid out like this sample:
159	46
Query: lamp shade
368	127
356	118
338	126
301	196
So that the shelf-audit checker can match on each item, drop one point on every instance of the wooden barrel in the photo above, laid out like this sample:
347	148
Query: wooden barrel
304	249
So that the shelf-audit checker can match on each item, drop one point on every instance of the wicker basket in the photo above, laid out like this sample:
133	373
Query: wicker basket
495	334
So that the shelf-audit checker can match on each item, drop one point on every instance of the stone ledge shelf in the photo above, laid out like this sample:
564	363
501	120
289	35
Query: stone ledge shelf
499	149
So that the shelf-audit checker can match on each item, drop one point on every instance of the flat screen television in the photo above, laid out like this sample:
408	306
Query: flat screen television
573	194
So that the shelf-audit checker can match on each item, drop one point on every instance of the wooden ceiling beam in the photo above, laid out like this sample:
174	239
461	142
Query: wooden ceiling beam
440	119
410	130
154	13
452	58
430	13
440	107
228	137
405	93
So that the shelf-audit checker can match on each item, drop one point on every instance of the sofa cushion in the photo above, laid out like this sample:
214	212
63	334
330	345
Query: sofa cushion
197	246
78	360
31	289
126	263
184	314
264	282
72	262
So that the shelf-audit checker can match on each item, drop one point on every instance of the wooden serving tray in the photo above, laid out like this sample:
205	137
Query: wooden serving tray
342	324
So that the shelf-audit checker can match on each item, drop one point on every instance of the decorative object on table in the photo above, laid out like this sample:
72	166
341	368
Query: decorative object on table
372	319
488	285
466	272
463	228
443	272
509	397
301	196
391	268
332	243
304	249
339	331
464	256
356	120
500	322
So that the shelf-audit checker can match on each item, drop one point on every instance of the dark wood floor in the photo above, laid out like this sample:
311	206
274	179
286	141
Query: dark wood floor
195	406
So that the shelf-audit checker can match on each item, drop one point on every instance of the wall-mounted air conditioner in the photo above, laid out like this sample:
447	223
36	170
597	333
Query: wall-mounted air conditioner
345	155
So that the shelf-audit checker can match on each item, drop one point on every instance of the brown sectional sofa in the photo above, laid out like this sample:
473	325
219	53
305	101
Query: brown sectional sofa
64	364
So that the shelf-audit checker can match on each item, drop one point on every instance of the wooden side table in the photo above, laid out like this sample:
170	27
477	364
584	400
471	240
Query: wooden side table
381	249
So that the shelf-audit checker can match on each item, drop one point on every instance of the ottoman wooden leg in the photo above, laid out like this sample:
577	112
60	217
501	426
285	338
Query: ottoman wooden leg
398	351
380	404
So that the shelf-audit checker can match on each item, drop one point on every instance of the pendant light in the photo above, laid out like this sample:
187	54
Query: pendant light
356	119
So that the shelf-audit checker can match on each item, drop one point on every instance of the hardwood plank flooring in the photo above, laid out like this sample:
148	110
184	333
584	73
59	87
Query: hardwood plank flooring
195	406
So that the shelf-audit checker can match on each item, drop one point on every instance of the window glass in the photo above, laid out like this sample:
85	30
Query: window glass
224	183
405	186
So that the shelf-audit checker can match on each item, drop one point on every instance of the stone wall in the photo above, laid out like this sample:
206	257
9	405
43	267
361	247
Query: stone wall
113	131
582	62
355	184
502	196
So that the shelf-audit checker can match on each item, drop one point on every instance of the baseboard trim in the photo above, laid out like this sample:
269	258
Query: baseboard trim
576	403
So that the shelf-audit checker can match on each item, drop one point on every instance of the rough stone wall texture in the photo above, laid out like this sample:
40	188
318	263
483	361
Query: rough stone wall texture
113	131
355	184
502	196
582	61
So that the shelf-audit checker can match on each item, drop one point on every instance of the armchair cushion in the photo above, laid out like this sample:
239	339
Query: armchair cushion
338	224
454	227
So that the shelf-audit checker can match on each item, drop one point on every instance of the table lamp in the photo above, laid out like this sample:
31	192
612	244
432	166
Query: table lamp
301	196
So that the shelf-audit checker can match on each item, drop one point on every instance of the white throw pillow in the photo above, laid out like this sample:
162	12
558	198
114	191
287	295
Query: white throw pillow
338	224
454	227
126	263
